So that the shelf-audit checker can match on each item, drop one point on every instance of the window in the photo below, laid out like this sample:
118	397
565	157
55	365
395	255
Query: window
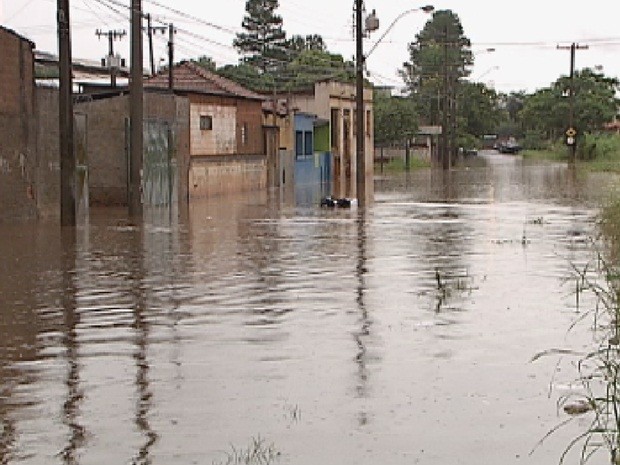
206	122
244	134
299	144
335	134
368	122
308	149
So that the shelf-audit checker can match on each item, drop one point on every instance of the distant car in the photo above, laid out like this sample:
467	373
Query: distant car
508	147
470	152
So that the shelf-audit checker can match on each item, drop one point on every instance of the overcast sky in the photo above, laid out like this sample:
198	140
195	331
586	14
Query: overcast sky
523	33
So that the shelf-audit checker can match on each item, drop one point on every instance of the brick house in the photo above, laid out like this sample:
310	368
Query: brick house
226	137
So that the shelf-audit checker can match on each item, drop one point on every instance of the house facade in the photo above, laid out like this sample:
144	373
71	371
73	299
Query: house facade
333	104
226	136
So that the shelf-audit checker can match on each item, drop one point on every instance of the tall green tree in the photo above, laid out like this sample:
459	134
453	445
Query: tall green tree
310	66
438	58
298	43
263	42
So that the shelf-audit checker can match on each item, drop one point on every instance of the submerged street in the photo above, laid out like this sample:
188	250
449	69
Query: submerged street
398	334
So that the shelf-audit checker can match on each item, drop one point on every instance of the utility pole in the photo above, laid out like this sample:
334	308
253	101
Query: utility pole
136	112
359	105
445	149
171	32
112	61
65	115
571	132
150	36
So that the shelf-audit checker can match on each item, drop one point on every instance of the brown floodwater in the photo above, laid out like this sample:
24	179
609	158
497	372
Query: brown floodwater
400	334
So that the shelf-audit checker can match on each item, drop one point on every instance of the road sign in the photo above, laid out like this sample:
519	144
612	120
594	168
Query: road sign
570	141
571	132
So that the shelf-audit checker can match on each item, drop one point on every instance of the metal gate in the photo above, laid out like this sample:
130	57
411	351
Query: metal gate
159	165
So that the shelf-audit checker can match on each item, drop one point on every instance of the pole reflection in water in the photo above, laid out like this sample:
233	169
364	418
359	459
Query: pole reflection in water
365	323
72	404
141	328
7	438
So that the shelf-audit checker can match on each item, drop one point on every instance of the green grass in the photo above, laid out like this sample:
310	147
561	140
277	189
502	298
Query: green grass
397	165
550	155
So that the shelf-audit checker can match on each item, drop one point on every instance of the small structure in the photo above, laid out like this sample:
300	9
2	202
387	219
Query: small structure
226	138
319	133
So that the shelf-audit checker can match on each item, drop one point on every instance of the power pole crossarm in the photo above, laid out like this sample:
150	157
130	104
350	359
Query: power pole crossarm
111	62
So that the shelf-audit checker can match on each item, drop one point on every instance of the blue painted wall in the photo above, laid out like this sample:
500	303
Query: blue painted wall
312	168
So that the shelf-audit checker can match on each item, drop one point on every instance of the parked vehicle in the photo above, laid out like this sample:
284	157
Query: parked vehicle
508	146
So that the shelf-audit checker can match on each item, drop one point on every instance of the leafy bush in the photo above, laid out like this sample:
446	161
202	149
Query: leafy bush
600	147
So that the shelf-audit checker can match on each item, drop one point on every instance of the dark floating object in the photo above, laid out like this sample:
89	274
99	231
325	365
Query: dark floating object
331	202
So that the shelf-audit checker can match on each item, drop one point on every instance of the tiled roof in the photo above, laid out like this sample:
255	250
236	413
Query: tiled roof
190	77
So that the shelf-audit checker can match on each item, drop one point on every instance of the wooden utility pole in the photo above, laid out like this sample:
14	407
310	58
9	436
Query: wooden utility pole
65	114
445	122
149	31
171	32
359	105
136	112
570	137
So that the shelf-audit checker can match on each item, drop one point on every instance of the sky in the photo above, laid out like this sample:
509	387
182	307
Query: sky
523	34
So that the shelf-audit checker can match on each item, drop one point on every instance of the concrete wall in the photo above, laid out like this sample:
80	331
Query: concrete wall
209	176
48	153
18	161
107	141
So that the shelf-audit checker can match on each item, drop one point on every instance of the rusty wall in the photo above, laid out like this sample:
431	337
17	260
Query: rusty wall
250	137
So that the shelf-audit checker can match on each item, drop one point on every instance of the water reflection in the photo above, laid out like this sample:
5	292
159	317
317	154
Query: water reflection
72	404
362	335
166	342
141	327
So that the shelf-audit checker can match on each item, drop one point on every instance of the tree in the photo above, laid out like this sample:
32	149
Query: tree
438	59
477	109
595	103
297	44
248	76
263	43
395	119
312	65
205	62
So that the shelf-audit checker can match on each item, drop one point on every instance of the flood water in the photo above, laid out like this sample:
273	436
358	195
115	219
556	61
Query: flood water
401	334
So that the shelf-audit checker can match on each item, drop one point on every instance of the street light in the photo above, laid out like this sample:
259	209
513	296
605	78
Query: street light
425	9
360	58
